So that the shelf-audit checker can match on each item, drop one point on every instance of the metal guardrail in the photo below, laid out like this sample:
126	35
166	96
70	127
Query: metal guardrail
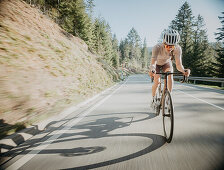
208	79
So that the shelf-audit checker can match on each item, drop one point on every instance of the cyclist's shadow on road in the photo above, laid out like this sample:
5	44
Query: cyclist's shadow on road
158	141
101	127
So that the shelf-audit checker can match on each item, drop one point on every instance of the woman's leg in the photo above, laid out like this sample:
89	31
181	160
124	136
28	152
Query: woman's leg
170	83
155	84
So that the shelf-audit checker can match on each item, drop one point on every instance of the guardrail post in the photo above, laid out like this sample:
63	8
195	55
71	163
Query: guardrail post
222	85
194	81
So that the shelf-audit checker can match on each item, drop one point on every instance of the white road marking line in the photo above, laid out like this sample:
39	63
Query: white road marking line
20	162
201	100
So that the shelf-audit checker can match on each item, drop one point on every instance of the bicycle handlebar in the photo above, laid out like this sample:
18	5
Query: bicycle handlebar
185	78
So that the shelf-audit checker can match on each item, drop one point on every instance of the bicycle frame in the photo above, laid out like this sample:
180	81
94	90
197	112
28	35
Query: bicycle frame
163	90
165	83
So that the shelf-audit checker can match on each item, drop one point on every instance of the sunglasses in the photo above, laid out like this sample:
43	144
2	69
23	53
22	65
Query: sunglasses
169	46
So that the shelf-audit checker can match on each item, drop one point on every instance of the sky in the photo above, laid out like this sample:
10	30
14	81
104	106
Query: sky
151	17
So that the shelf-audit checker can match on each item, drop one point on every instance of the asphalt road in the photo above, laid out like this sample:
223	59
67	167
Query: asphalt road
119	131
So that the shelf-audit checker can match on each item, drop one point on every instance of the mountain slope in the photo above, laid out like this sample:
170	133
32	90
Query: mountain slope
42	68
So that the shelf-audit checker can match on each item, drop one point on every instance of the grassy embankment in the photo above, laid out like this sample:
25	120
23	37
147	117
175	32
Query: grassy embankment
43	69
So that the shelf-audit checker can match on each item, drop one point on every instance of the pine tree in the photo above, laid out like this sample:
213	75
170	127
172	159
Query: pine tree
115	58
134	42
75	20
201	57
127	50
124	49
121	49
220	35
220	49
108	46
183	23
212	68
145	55
98	32
89	9
103	40
66	16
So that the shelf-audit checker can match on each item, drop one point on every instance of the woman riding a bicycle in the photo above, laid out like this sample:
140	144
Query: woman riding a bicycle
162	56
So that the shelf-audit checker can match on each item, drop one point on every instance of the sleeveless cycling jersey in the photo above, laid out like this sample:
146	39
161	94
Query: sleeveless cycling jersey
162	56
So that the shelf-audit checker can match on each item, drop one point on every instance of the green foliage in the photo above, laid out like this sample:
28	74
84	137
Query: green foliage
220	62
134	43
132	53
220	35
220	50
201	57
145	55
124	51
74	19
197	53
115	55
103	40
183	23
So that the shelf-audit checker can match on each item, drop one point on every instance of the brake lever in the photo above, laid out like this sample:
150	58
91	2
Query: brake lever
185	79
182	81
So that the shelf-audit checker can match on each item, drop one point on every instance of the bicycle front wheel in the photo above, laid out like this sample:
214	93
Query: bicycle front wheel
168	119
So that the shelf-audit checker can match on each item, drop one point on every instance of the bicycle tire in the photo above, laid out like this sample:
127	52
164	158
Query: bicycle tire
167	110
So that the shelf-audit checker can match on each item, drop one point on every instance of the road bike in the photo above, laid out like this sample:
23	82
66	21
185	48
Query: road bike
163	101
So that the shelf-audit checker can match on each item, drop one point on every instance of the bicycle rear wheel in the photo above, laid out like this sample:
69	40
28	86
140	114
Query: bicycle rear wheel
168	119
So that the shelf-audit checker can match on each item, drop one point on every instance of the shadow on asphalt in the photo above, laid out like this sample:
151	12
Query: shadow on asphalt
96	129
100	128
149	115
71	152
158	141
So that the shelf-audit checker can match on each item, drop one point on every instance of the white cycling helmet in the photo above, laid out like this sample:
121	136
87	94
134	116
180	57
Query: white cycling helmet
171	37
